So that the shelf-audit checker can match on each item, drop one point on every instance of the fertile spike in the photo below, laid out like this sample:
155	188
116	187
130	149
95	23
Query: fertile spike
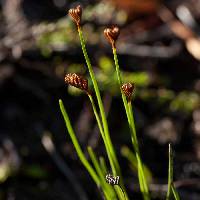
128	88
112	34
76	14
77	81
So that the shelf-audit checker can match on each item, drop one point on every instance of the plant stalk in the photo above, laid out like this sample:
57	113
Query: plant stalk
116	168
112	155
101	130
77	146
129	114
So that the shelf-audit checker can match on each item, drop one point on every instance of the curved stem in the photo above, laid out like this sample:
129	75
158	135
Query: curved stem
77	146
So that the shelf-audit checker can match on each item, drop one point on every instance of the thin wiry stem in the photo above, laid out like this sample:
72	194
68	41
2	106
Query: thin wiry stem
100	128
175	193
115	168
120	80
170	188
142	179
170	173
112	157
129	114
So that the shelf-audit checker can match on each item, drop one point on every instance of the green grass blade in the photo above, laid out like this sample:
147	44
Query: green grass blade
103	165
77	146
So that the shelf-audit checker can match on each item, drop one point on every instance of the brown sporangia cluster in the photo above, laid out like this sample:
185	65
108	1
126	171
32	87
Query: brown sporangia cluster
77	81
112	34
127	89
76	14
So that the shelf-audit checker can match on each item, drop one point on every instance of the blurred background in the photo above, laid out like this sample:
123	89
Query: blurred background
159	50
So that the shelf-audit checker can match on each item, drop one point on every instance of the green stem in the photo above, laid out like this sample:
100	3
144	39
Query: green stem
123	192
129	114
142	177
175	193
97	117
103	165
120	81
171	189
132	126
116	168
108	190
170	173
77	146
101	130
